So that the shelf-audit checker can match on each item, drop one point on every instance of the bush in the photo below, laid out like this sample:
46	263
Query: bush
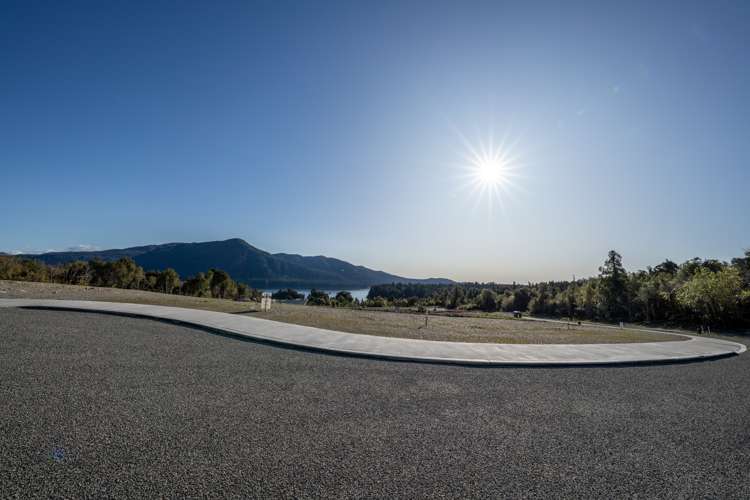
344	298
487	301
376	302
318	298
168	281
288	294
12	268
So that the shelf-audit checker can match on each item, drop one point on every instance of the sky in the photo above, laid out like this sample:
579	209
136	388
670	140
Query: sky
343	129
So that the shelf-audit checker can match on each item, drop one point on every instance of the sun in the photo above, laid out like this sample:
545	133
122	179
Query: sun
491	170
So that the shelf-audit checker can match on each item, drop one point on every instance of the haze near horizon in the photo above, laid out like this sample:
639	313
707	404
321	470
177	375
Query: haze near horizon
477	141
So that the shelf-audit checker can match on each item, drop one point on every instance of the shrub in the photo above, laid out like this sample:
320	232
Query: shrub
318	298
487	301
288	294
344	298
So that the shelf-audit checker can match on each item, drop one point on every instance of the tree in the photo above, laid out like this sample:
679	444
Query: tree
255	295
122	273
487	300
688	269
149	282
456	298
9	267
521	299
376	302
13	268
76	273
222	285
647	296
243	291
197	286
743	267
168	280
712	297
613	287
288	294
125	273
570	300
318	298
666	267
505	301
101	273
588	298
344	298
538	303
742	264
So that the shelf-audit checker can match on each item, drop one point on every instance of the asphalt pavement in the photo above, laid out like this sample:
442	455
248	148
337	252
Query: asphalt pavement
95	405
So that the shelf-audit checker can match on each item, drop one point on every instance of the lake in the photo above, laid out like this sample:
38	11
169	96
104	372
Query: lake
360	294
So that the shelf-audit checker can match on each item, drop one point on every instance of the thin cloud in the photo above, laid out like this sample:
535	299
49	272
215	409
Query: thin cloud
75	248
82	248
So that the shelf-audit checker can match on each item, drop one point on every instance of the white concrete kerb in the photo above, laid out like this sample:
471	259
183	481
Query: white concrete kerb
305	337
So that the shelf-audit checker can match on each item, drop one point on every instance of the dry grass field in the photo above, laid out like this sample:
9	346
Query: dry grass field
367	322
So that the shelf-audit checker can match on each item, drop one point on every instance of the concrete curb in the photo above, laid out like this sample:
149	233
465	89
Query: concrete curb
464	353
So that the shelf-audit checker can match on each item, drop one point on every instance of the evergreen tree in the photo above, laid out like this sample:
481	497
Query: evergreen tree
613	288
456	298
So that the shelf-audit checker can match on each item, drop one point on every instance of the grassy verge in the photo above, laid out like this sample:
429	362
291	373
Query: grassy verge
493	329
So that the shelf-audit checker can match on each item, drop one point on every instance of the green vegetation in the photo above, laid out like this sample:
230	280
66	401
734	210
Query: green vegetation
242	261
288	294
321	298
487	301
126	274
371	321
344	298
698	293
318	298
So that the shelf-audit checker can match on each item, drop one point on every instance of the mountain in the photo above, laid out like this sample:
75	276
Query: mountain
244	263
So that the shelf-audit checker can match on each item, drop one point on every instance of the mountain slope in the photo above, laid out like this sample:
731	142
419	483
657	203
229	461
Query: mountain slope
244	263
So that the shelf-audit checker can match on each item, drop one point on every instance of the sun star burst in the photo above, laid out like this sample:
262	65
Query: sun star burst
490	170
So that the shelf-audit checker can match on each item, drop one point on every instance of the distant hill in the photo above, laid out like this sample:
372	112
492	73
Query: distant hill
244	263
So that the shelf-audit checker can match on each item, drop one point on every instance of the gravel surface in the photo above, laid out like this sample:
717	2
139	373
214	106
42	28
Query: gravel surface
99	406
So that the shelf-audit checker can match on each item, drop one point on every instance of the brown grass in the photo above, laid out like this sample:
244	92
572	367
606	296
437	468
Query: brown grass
369	322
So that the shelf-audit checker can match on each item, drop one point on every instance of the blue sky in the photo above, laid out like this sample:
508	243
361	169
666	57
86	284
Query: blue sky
335	128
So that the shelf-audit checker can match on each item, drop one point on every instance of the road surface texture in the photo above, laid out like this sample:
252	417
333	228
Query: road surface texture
96	405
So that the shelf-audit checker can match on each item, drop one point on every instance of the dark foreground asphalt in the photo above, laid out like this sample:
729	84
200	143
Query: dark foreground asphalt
97	405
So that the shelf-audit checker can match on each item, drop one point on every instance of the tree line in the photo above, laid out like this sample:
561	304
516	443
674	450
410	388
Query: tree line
695	293
318	297
125	273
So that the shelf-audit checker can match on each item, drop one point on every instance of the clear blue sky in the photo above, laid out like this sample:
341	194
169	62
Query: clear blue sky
335	128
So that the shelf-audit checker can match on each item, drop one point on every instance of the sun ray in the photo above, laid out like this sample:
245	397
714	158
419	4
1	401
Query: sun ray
490	170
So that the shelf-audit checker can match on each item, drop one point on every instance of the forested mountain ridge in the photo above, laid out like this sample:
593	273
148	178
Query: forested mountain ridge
244	262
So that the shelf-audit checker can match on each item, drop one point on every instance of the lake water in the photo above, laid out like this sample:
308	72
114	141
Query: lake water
360	294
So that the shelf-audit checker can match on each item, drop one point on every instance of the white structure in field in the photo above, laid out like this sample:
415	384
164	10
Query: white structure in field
265	302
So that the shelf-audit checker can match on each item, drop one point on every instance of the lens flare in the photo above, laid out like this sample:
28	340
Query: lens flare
490	170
